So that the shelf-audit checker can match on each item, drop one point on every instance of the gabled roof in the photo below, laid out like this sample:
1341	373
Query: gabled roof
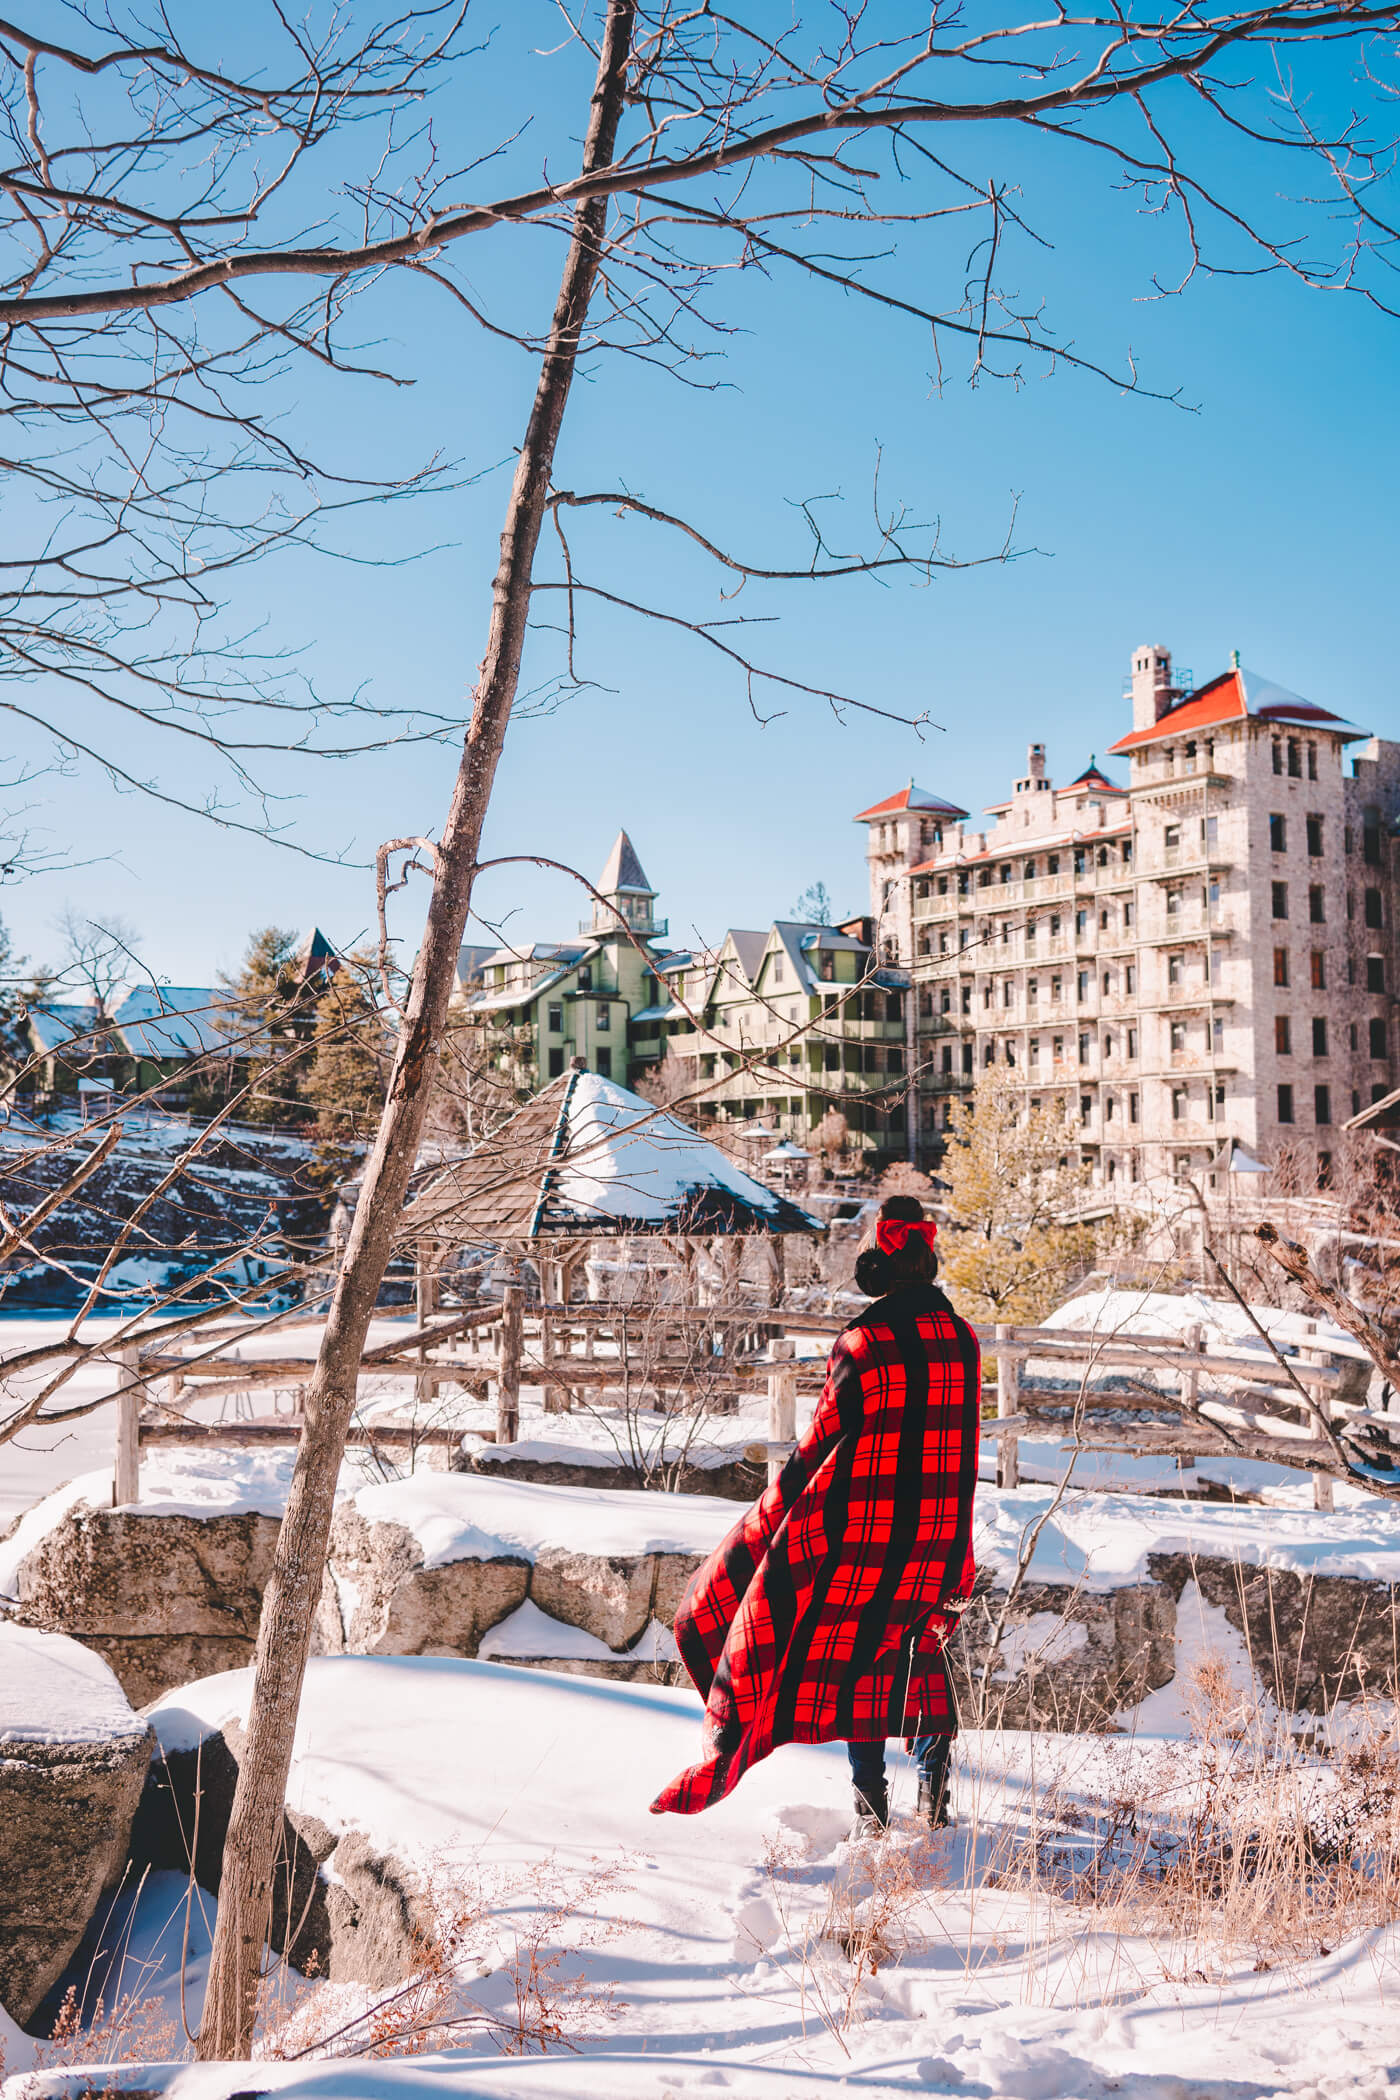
173	1020
1236	695
316	954
1094	776
624	871
910	798
749	948
586	1158
471	962
57	1023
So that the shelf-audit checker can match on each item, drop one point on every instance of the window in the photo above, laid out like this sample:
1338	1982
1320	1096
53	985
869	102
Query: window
1322	1104
1086	1108
1108	1044
1032	991
942	885
1316	906
1008	993
1132	1108
1375	973
1127	852
945	1001
1030	933
556	1061
1210	833
1173	904
1080	860
1217	1034
1057	1049
1130	979
1373	908
1054	925
1056	987
1280	892
1107	985
1278	833
986	998
1006	933
1104	917
1278	756
1285	1104
1378	1033
778	960
585	977
1371	842
1295	759
1084	1049
1128	913
1312	761
967	998
1171	837
1034	1052
604	1061
1030	871
1082	986
604	1017
1081	922
1004	871
988	1053
1010	1053
1319	1035
1052	866
1283	1035
1175	967
1318	967
1178	1104
984	876
556	1020
1352	1039
1314	838
1280	966
1132	1042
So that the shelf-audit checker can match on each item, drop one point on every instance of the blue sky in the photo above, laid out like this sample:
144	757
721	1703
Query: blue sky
1263	519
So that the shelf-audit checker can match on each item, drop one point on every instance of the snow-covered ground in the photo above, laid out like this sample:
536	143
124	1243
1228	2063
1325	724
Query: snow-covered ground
717	1935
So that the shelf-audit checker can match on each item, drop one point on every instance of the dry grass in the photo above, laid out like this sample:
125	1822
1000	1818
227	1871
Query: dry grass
1247	1843
524	1930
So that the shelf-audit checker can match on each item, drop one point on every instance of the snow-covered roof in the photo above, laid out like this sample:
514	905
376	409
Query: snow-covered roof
1236	695
56	1024
911	797
586	1158
172	1020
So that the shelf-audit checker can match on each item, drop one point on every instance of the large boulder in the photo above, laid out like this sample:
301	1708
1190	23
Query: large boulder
1061	1657
380	1599
429	1566
164	1594
1313	1639
73	1757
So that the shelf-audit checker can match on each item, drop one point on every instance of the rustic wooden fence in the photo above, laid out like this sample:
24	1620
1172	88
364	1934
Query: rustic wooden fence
1169	1396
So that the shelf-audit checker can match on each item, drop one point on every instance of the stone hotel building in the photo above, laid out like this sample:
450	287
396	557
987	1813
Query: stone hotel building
1198	950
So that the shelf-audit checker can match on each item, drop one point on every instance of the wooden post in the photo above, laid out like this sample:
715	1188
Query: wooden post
508	1367
1323	1495
126	1480
782	1418
1008	1403
1194	1338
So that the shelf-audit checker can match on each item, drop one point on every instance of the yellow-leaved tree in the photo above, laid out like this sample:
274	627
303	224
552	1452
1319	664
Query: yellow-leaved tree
1016	1238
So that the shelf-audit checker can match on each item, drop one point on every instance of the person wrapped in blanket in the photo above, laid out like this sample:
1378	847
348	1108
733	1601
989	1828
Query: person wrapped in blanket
824	1614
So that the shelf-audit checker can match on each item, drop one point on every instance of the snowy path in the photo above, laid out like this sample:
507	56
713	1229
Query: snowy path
707	1920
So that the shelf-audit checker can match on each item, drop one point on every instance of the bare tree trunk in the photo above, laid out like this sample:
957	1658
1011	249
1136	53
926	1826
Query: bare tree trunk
284	1638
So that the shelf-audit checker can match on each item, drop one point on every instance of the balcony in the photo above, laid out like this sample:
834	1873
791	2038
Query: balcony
650	929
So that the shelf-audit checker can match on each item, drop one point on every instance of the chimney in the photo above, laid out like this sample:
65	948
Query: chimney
1035	761
1151	683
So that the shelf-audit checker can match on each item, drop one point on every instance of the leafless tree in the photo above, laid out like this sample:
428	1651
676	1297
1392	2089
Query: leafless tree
97	957
154	212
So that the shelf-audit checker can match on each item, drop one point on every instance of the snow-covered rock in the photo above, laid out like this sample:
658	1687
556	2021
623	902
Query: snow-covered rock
428	1565
165	1590
72	1759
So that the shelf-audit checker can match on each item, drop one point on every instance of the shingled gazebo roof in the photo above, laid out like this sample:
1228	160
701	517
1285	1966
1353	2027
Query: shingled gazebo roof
587	1158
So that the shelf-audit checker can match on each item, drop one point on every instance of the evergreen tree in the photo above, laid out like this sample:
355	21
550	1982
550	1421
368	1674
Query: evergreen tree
271	1011
1014	1241
348	1074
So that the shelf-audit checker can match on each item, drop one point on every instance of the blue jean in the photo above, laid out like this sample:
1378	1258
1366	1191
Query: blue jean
931	1755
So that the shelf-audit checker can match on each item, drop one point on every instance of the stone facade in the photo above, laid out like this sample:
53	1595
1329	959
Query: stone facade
1202	952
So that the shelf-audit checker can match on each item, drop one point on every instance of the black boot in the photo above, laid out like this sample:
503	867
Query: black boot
872	1812
934	1789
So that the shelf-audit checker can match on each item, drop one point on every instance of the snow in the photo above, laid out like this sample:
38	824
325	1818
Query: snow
709	1925
461	1516
53	1690
619	1142
1104	1541
1225	1326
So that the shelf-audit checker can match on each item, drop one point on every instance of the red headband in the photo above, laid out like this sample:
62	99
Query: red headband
891	1234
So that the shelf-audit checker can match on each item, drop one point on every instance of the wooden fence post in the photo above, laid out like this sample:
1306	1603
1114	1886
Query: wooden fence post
782	1418
1324	1497
1194	1338
1008	1403
508	1367
126	1481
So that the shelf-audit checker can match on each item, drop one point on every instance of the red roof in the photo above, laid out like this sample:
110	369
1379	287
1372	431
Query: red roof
1236	695
910	798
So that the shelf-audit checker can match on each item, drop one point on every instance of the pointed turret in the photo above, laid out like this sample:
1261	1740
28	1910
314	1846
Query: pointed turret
629	895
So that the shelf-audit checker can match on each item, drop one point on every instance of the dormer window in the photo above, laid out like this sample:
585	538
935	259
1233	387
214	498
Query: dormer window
777	969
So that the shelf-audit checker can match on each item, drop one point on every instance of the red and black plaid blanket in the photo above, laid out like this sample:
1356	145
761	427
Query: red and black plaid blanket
823	1615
